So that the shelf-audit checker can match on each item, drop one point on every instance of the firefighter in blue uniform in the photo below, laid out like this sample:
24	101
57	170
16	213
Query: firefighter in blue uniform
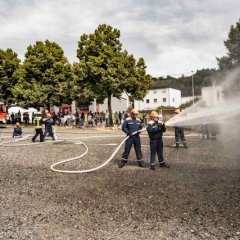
48	127
131	125
37	121
155	129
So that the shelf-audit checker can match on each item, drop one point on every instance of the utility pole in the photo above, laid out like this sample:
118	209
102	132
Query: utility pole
193	90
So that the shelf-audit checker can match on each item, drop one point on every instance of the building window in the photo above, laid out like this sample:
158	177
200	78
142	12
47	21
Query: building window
173	99
164	99
164	91
155	91
155	100
147	101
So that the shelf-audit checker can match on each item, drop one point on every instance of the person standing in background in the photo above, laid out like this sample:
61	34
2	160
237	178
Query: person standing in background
179	133
38	121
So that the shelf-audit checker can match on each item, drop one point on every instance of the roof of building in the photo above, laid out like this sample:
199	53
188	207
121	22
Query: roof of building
172	83
166	83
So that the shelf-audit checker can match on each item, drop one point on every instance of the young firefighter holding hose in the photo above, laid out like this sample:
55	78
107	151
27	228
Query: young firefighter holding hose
131	125
155	129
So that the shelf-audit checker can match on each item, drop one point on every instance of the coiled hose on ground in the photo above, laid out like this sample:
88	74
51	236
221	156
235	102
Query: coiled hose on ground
53	166
91	169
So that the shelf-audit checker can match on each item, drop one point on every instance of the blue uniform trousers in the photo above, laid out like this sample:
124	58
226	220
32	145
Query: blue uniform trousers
48	131
156	147
38	131
179	135
136	142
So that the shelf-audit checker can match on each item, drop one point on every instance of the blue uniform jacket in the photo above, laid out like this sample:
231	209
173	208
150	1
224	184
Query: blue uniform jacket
48	124
131	125
155	129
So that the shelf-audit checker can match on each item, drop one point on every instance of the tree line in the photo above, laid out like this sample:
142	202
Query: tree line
46	77
104	69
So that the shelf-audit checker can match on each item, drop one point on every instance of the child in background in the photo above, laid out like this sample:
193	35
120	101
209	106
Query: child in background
17	130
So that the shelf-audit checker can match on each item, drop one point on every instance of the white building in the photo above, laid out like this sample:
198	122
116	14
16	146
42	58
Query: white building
121	104
212	95
159	97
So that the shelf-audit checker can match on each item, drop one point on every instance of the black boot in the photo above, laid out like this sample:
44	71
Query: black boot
164	165
177	145
121	164
141	164
152	167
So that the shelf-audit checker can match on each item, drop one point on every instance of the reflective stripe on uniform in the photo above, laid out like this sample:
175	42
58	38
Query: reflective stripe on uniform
37	123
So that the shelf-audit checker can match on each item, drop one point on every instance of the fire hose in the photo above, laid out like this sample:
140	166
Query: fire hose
16	140
74	158
81	156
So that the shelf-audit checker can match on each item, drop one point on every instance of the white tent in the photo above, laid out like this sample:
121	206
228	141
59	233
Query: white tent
16	110
32	110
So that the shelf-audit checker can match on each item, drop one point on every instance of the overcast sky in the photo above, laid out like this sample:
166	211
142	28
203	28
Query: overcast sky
173	36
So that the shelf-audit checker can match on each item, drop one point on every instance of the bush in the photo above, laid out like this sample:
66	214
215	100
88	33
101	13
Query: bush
189	103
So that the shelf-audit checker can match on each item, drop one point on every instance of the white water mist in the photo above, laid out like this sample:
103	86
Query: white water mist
225	115
228	109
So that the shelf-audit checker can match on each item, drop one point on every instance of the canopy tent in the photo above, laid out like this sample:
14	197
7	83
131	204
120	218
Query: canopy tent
16	110
32	110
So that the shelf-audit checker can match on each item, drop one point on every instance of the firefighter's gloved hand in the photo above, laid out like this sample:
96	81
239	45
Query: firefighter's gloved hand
130	134
161	126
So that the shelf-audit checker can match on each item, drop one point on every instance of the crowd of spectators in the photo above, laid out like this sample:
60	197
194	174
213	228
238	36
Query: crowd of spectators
78	119
90	119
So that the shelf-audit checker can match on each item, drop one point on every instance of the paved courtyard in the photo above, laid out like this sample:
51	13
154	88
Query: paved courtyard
197	198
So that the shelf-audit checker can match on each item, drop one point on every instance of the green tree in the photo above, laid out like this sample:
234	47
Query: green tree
233	46
232	60
45	76
189	103
137	81
82	91
9	63
105	70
